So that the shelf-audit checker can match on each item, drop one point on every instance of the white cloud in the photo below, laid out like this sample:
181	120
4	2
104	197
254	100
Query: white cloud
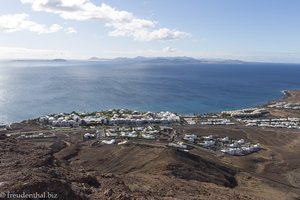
169	50
21	22
123	23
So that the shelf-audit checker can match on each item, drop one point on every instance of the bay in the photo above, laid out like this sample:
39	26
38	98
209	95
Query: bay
29	89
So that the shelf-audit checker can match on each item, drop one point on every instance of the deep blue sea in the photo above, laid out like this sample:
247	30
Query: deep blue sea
32	89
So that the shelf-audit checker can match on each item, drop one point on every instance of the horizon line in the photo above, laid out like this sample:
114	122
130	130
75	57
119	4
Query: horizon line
96	58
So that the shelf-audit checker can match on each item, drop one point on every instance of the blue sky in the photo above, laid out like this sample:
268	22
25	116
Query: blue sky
256	30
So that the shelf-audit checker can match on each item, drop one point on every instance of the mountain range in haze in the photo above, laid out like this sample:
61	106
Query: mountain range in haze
144	60
169	60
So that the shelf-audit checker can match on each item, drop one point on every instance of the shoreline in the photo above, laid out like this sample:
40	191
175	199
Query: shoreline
284	92
286	95
260	114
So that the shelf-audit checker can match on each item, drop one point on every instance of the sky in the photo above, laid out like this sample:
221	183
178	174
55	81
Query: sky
250	30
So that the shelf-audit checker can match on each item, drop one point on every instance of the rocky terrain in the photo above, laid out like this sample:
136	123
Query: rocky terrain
26	167
81	171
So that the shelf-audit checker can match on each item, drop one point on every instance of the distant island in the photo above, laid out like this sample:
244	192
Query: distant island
168	60
40	60
95	58
58	60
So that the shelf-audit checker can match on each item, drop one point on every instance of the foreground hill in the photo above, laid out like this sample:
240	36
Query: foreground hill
82	171
28	168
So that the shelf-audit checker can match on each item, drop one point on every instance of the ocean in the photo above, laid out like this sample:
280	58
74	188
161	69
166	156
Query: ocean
30	89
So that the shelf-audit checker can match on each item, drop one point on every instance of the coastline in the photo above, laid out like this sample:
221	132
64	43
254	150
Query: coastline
286	95
285	92
291	95
121	152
